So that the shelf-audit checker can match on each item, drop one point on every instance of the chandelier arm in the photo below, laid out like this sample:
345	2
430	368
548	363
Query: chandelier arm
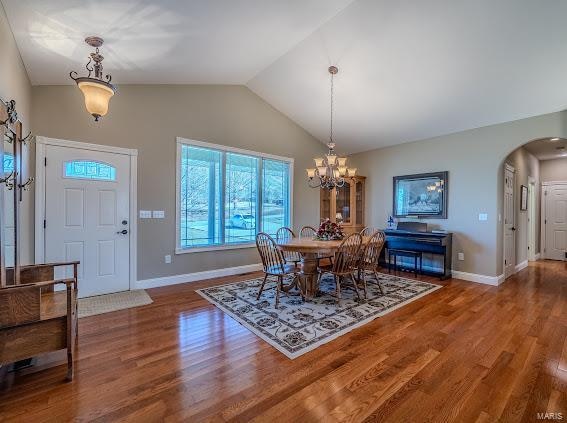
316	185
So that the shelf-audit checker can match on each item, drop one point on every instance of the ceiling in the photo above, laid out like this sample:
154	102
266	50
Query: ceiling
546	149
408	70
162	42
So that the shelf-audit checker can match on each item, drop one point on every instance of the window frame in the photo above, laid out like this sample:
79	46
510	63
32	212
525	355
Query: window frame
180	142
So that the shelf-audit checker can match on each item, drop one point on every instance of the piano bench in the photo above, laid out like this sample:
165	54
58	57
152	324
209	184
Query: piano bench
405	253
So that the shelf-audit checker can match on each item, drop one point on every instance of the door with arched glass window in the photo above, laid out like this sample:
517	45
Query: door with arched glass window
87	212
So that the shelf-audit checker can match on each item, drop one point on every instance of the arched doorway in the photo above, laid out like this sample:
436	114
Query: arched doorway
534	203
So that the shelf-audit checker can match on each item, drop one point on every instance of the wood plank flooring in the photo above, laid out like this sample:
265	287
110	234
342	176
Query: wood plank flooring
465	353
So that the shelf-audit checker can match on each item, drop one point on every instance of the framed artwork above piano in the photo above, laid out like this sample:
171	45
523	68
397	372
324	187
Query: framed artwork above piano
423	195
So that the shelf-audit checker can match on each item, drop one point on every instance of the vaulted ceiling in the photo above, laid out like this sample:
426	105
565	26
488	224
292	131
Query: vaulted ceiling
408	70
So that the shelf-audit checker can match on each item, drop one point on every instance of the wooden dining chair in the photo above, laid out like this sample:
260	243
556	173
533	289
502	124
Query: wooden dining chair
345	263
273	264
285	234
368	231
370	260
307	232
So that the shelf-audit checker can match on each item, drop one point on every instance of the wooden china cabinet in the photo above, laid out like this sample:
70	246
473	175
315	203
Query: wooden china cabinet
348	201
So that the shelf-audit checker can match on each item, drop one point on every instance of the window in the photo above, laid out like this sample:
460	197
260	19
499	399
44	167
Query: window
225	196
84	169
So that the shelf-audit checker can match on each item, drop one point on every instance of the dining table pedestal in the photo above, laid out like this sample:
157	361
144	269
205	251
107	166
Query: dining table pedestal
309	276
310	251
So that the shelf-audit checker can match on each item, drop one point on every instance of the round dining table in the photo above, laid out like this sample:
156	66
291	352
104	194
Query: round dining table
311	250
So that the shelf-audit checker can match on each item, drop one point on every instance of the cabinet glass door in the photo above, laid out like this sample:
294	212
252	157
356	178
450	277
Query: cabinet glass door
343	202
325	204
359	198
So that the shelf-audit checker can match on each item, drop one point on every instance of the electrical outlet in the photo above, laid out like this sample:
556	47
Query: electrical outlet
483	216
158	214
145	214
461	256
167	259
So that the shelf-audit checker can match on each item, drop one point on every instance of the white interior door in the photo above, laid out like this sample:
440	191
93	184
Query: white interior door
509	229
87	209
556	222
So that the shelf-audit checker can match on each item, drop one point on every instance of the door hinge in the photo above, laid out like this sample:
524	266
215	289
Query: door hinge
44	223
45	161
505	263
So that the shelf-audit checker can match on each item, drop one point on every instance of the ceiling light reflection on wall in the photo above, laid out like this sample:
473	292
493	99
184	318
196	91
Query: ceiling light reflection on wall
97	90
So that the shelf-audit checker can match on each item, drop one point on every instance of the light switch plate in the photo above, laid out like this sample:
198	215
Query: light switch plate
158	214
483	216
145	214
167	259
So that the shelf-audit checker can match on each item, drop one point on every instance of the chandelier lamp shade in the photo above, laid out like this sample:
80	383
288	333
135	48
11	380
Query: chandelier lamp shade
95	87
331	170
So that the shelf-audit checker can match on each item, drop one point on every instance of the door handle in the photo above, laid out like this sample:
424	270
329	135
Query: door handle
512	229
122	232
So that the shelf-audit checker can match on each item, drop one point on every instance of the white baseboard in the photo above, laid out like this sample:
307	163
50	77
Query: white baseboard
229	271
471	277
521	266
474	277
197	276
538	256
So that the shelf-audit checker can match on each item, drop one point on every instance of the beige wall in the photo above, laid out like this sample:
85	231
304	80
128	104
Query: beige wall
150	118
474	160
15	85
525	164
554	170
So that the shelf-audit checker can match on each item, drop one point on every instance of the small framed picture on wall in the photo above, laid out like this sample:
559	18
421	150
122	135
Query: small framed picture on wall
523	198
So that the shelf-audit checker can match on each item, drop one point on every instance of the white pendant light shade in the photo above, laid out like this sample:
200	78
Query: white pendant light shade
97	97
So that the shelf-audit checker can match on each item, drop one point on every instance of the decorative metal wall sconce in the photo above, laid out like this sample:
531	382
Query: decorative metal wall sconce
97	90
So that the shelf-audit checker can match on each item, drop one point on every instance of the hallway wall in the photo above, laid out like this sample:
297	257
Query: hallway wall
554	170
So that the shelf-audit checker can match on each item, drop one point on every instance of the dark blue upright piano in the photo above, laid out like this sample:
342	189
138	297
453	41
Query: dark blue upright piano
413	236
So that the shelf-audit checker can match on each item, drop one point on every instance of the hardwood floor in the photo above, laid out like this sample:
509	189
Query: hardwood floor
467	352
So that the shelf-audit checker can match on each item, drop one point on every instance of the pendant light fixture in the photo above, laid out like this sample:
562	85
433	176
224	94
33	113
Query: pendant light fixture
97	89
330	171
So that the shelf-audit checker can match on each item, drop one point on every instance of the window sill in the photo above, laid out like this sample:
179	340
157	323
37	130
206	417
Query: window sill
189	250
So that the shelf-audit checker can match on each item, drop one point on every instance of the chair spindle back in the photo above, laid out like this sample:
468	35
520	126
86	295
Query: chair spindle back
348	254
307	232
285	234
372	250
271	256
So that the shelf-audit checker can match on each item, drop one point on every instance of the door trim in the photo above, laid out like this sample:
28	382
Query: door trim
532	210
41	144
543	216
510	168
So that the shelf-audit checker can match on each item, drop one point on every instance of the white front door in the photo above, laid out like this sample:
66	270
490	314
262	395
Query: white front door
509	229
87	209
556	222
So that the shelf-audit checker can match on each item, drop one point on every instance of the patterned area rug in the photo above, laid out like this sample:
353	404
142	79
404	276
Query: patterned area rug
297	327
100	304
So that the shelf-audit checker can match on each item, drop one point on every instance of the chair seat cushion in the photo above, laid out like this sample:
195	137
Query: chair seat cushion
277	270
